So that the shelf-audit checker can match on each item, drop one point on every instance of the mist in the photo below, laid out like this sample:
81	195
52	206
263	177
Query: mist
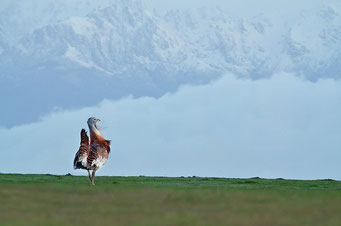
283	126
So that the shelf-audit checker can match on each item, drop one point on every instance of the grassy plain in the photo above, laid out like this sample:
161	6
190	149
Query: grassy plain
69	200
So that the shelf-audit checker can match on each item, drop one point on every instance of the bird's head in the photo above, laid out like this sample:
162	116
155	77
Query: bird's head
92	122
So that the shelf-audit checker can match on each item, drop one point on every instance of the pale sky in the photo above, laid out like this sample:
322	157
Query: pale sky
279	127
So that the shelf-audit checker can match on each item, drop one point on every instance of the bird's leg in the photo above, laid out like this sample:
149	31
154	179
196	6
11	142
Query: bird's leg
89	175
93	177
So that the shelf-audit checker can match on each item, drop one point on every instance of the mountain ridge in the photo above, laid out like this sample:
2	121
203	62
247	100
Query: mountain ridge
125	49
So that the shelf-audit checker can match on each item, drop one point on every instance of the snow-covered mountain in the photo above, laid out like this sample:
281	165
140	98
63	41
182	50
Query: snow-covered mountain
125	37
313	43
109	50
20	17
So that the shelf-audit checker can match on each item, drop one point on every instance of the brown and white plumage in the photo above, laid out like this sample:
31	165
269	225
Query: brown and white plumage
80	161
94	155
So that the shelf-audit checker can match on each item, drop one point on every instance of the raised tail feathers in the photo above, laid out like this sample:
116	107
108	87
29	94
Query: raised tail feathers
84	137
83	152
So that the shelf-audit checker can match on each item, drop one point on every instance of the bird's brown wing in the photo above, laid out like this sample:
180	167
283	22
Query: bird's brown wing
80	161
97	157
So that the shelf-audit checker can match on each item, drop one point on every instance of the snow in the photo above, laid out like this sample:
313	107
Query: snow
82	26
119	37
75	56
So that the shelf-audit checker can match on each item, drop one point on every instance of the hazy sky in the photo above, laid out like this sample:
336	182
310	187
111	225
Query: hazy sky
278	127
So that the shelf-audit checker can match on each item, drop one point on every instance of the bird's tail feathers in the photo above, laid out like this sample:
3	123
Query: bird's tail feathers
84	137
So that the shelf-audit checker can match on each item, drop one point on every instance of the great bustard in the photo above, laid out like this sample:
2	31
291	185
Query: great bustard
94	155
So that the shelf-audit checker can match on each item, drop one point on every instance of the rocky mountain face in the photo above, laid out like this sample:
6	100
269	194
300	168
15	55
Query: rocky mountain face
123	49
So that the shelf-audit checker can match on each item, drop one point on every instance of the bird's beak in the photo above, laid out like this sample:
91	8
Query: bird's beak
98	120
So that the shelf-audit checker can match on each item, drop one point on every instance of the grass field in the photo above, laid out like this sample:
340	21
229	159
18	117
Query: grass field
69	200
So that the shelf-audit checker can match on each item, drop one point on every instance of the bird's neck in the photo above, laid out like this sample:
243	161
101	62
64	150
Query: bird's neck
95	134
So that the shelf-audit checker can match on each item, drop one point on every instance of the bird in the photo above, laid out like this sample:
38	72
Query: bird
93	155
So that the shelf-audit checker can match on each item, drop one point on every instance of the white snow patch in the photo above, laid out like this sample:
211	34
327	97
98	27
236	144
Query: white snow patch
74	55
82	26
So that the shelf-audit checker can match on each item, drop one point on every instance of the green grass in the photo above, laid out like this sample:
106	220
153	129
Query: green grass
70	200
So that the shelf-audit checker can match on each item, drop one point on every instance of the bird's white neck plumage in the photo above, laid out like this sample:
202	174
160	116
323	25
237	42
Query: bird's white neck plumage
93	128
95	134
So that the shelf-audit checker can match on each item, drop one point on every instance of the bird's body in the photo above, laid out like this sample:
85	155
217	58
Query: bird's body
98	156
94	155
